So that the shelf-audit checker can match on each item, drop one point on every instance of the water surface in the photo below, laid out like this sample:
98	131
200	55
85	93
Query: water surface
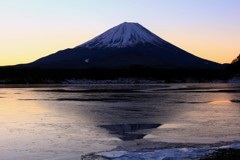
68	121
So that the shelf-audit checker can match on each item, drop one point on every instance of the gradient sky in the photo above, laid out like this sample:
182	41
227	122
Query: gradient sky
31	29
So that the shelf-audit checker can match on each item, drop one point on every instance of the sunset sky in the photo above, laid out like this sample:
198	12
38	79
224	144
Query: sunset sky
31	29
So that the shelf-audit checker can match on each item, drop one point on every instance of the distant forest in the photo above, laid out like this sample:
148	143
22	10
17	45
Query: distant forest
11	75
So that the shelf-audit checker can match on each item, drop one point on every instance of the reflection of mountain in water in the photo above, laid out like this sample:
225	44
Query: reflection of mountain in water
127	132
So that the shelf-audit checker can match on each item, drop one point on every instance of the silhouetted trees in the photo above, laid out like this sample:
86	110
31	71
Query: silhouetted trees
234	67
18	75
237	60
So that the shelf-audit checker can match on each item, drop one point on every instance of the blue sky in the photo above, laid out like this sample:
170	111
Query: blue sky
31	29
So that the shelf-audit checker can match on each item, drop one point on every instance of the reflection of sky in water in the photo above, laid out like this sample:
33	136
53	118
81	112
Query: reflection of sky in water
55	123
221	102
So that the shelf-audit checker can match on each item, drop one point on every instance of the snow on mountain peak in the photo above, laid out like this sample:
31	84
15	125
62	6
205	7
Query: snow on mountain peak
124	35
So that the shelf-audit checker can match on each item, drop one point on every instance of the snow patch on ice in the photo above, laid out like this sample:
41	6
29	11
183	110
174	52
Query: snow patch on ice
113	154
235	146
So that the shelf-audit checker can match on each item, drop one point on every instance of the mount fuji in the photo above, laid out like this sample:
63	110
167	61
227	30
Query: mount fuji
123	46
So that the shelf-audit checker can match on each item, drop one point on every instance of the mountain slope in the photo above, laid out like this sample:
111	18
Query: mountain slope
123	46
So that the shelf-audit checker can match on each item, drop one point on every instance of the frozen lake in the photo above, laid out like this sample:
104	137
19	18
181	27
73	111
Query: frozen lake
68	121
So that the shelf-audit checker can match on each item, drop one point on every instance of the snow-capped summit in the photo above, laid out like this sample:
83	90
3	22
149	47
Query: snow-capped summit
124	35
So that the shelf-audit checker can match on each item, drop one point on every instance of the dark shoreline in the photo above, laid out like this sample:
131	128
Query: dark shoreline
134	74
123	81
224	154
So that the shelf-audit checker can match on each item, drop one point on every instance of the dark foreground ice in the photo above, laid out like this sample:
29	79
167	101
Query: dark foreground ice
187	153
